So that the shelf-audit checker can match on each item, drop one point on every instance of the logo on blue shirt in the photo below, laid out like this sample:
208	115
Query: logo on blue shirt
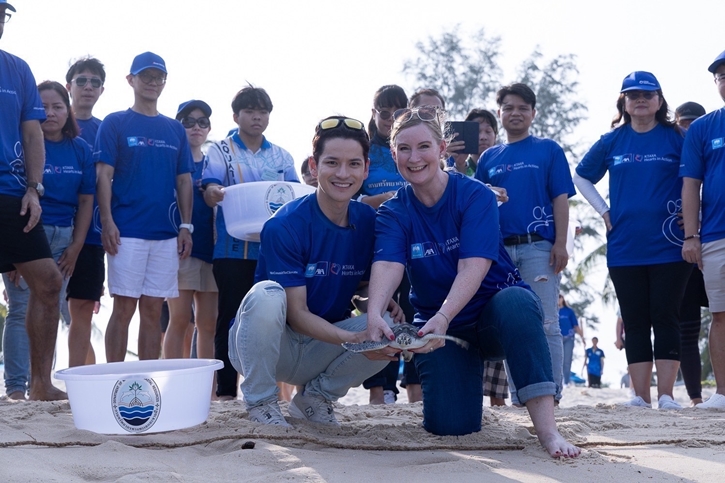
498	170
136	141
625	158
718	143
421	250
318	269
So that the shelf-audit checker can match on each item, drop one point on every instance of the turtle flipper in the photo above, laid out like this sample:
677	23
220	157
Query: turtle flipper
458	341
366	346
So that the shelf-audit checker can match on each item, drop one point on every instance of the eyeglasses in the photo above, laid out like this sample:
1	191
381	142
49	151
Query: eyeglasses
423	113
5	18
189	122
149	79
334	122
82	81
634	95
384	114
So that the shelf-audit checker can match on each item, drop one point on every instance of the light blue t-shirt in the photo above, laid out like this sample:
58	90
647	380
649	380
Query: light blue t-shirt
645	193
147	153
383	175
301	246
19	102
230	163
703	158
534	171
69	172
430	241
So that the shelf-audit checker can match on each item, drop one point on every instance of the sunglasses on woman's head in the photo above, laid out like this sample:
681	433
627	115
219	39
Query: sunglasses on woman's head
425	113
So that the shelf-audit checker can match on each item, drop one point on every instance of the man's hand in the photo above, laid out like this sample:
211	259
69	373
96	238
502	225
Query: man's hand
110	237
67	261
396	312
213	194
607	221
377	329
692	251
184	243
559	257
30	204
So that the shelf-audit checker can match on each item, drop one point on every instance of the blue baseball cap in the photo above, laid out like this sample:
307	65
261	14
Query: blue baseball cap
720	60
640	81
147	60
5	4
188	106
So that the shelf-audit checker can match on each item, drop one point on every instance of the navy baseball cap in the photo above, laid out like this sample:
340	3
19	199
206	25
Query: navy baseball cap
147	60
690	110
719	60
640	81
5	4
188	106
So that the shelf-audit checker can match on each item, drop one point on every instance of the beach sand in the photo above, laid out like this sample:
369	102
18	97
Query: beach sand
38	442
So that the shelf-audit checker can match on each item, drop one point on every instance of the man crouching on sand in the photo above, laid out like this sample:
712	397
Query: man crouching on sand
315	253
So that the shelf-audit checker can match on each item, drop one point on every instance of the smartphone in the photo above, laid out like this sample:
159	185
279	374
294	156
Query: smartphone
467	132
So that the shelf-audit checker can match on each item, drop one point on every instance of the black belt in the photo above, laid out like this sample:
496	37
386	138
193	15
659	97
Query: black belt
521	239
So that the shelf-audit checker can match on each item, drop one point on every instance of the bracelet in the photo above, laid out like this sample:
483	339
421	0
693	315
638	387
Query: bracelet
445	317
691	237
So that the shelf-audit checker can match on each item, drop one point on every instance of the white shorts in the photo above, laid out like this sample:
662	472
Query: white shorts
144	267
713	272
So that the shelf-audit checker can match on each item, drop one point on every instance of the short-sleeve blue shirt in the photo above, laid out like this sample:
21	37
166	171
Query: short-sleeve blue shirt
430	241
567	321
202	217
383	175
302	247
19	102
703	158
534	171
645	193
69	172
89	130
147	153
594	363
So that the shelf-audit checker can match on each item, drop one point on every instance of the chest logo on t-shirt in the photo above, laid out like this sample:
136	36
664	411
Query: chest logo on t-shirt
318	269
624	158
718	143
422	250
142	142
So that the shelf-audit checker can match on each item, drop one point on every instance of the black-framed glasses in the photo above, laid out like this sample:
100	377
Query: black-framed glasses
634	95
425	113
5	18
82	81
384	114
189	122
149	79
334	122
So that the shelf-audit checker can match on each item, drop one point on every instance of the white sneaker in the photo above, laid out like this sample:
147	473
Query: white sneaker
389	397
268	414
636	402
313	409
666	402
716	401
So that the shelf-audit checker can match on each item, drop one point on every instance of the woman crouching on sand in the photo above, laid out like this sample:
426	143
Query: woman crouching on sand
444	228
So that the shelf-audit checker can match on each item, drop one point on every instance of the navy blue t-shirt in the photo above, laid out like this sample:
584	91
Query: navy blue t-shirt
534	171
89	129
594	363
147	153
567	321
430	241
703	158
202	217
301	246
645	193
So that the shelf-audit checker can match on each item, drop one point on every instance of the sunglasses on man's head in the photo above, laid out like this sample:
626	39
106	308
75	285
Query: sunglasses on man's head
189	122
82	81
334	122
634	95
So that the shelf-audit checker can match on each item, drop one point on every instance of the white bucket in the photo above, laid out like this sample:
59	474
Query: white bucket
140	396
248	205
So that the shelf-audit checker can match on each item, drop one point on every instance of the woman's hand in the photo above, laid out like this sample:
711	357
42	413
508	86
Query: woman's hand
607	221
438	324
67	261
377	329
396	312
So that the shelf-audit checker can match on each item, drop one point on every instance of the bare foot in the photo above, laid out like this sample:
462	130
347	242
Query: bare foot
695	401
557	446
17	396
51	393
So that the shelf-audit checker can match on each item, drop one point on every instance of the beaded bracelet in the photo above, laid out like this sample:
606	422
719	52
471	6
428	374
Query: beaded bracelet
691	237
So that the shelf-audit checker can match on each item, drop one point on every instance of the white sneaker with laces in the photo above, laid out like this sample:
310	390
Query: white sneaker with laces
314	409
388	397
636	402
269	413
666	402
716	401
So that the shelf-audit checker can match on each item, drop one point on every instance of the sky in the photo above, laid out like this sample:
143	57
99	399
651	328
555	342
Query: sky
317	58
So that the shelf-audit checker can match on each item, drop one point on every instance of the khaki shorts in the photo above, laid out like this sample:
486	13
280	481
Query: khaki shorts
196	274
713	272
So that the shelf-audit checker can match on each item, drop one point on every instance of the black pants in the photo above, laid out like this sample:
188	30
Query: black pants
594	381
695	297
649	298
234	278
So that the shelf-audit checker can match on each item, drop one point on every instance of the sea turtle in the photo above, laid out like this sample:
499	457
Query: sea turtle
406	337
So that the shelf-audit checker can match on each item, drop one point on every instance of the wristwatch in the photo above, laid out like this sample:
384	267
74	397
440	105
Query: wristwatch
37	187
188	226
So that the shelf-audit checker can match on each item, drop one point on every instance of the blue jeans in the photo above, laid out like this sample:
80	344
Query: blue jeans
451	377
532	260
568	354
264	349
15	337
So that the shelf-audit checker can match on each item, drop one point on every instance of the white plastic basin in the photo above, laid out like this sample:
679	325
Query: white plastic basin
248	205
140	396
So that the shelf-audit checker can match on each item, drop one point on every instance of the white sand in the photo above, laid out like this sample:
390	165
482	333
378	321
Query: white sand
375	443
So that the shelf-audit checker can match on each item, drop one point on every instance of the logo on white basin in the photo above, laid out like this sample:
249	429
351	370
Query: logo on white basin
136	403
